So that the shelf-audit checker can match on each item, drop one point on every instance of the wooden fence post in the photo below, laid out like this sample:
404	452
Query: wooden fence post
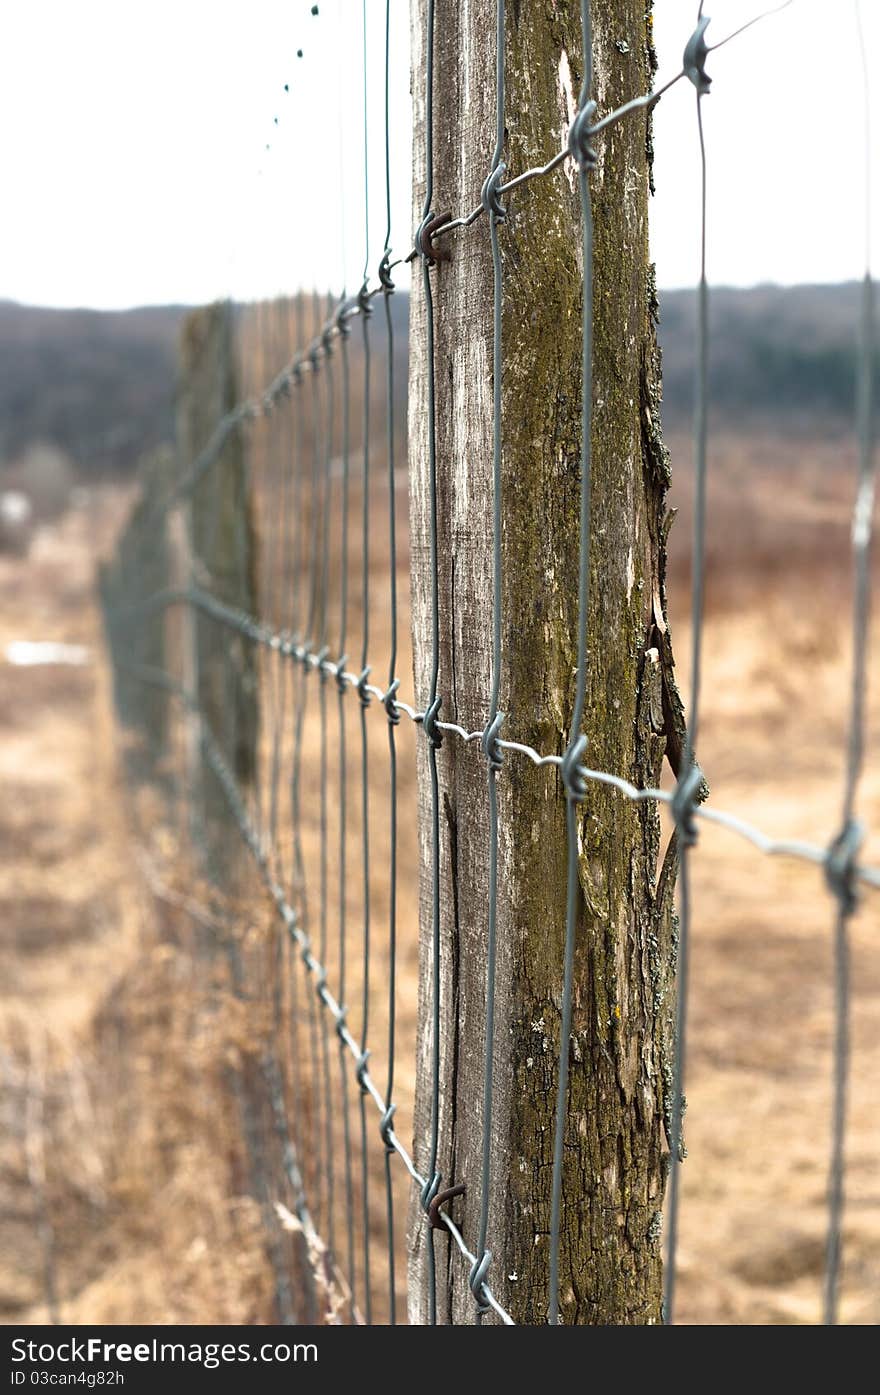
222	561
619	1050
140	568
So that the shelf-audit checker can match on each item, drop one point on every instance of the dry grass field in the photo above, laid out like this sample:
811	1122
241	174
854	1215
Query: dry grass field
121	1192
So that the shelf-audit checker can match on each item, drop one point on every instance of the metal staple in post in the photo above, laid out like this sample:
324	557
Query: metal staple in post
291	631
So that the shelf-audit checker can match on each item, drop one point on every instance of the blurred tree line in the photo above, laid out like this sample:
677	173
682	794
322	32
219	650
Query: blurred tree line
778	355
100	386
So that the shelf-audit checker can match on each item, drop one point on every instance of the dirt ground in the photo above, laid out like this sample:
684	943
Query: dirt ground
115	1162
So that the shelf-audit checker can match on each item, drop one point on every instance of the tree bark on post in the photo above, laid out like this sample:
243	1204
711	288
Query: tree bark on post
620	1046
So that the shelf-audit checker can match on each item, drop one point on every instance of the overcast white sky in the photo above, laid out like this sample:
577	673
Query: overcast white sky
134	164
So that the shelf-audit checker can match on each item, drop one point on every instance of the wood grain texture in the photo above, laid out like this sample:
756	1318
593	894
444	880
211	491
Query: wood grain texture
619	1067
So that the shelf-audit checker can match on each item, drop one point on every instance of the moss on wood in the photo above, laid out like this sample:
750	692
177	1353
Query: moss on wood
614	1171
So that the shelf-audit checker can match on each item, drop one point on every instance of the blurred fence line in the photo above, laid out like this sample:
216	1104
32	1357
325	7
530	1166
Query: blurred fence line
256	632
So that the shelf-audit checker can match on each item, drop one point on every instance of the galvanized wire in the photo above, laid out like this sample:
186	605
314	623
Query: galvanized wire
310	660
293	635
845	847
364	703
393	718
689	777
342	878
490	748
432	1183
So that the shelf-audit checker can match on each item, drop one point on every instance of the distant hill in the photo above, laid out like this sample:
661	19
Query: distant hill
101	385
777	353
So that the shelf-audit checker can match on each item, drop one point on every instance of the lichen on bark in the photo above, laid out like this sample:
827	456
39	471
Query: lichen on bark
614	1146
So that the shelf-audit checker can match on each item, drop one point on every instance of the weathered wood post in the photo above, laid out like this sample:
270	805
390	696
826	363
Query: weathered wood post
140	568
222	560
610	1259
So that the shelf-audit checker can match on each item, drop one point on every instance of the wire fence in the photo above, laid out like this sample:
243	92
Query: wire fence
299	480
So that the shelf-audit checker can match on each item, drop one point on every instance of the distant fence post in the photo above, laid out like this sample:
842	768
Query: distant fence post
221	672
620	1045
222	560
140	568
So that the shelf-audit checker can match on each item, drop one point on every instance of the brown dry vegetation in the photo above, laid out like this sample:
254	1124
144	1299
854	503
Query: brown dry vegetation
123	1173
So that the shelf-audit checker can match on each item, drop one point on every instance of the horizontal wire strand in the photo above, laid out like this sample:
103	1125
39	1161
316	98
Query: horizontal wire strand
311	659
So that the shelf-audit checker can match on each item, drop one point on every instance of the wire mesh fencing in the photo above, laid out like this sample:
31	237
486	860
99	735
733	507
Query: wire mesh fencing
258	620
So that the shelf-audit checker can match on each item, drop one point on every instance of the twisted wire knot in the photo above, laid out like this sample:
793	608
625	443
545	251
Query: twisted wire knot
695	54
490	197
579	133
385	1129
321	661
343	328
429	1191
384	272
340	672
841	865
489	742
360	1074
341	1024
321	985
573	780
363	300
475	1280
387	701
429	722
684	802
327	340
361	687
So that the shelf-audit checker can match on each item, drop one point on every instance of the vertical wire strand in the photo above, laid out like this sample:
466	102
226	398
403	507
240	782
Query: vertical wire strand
862	540
433	1178
258	974
684	838
388	291
572	888
318	1174
276	582
323	820
343	812
296	623
296	680
275	564
839	1085
343	753
251	451
285	582
365	640
492	751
